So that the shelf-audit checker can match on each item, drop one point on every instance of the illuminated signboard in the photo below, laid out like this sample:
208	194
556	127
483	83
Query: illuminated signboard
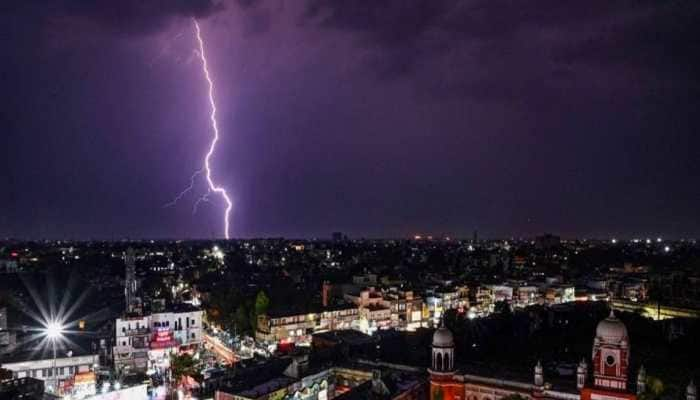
163	338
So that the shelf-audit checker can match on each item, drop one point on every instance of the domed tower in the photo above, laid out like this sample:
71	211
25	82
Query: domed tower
442	383
443	351
611	354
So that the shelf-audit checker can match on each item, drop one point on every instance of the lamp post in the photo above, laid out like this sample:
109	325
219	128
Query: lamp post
54	331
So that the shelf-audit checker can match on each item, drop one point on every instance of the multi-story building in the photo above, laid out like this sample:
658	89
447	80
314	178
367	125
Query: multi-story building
560	293
484	301
446	298
406	309
374	317
53	372
366	297
526	295
297	327
145	342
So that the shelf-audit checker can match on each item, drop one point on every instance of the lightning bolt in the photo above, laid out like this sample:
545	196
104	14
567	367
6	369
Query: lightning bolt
185	191
206	169
213	187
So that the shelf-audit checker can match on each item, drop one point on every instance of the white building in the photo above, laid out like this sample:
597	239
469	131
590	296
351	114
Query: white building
145	342
43	368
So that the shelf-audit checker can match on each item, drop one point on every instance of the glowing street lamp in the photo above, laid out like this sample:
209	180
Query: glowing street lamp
53	330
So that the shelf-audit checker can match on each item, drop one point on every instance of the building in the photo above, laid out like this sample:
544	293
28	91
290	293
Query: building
609	363
407	309
55	374
557	294
297	327
22	388
355	380
373	317
131	284
145	342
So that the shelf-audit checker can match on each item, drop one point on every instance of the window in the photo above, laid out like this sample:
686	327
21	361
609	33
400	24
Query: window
610	361
60	371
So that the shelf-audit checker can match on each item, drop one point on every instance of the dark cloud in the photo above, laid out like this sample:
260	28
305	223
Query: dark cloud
120	16
374	117
636	34
248	3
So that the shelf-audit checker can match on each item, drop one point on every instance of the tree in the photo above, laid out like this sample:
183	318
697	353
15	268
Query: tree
653	390
184	365
241	320
262	302
222	307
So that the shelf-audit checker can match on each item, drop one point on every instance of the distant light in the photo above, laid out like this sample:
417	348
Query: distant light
667	249
614	241
658	240
117	386
648	241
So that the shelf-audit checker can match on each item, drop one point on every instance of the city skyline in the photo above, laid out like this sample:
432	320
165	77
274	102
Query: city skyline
373	119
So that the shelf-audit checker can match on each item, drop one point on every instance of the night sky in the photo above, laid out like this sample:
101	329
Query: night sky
378	118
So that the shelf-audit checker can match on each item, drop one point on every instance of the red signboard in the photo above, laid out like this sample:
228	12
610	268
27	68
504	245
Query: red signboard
163	338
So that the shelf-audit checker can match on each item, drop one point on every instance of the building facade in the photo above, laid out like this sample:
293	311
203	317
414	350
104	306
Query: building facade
145	342
609	380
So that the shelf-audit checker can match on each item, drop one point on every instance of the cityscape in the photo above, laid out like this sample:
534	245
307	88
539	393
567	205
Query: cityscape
349	200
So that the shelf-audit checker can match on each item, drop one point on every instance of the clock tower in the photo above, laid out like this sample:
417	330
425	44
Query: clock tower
611	351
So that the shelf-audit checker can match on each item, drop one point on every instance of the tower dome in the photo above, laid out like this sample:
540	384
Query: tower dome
443	351
612	330
443	338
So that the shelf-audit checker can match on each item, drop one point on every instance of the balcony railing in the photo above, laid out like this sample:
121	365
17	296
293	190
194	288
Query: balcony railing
139	331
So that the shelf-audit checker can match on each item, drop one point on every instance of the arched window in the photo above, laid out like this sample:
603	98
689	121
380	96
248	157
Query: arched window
438	362
447	362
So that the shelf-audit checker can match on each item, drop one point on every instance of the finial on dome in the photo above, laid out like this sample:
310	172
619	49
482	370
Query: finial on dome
612	314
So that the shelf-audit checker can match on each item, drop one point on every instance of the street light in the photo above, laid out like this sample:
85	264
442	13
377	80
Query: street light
53	330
